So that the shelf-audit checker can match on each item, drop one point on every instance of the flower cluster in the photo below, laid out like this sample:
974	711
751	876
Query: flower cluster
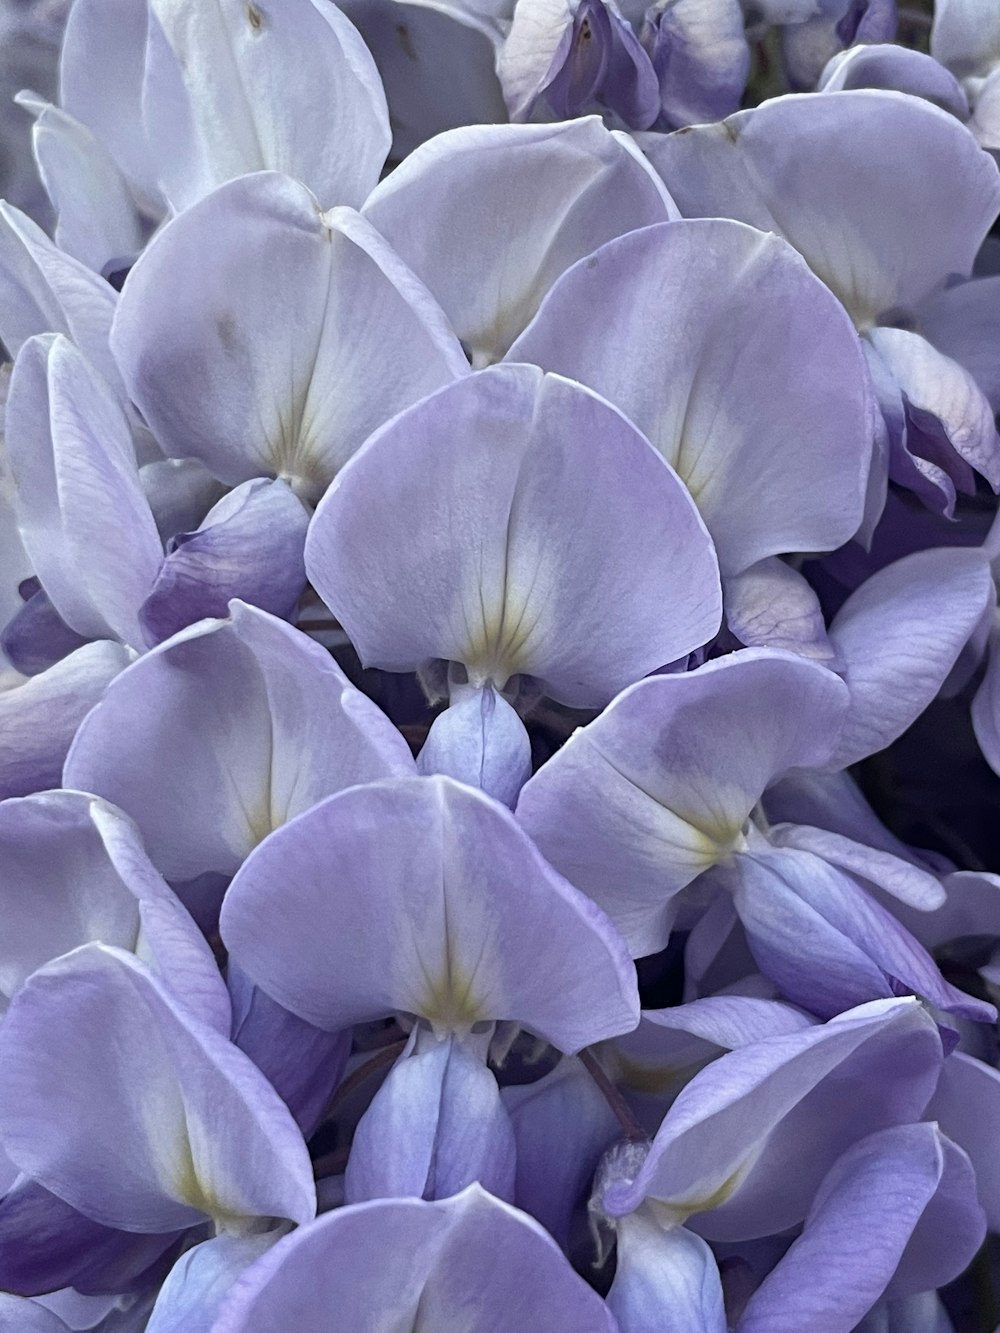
492	498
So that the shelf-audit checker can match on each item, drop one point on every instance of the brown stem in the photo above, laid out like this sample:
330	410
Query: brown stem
377	1039
306	624
331	1163
634	1132
379	1060
913	16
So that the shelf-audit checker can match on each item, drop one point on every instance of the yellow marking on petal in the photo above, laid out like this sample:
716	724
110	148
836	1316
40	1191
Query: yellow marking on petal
449	1003
705	835
188	1186
496	650
675	1212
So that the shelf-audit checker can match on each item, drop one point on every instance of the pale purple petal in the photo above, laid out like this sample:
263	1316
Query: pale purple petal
254	724
963	323
84	517
846	1256
965	35
250	545
194	334
303	1063
199	1282
26	1316
131	1109
435	1125
39	717
788	928
898	636
47	1246
972	907
763	1124
562	190
724	383
469	1257
902	879
180	492
563	60
797	908
701	56
666	1280
730	1021
834	176
950	1231
562	1126
36	636
770	605
985	121
543	41
74	872
168	942
670	1046
571	554
834	801
658	789
46	291
832	24
100	81
986	706
261	83
895	68
941	398
98	221
480	740
439	72
966	1104
422	918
